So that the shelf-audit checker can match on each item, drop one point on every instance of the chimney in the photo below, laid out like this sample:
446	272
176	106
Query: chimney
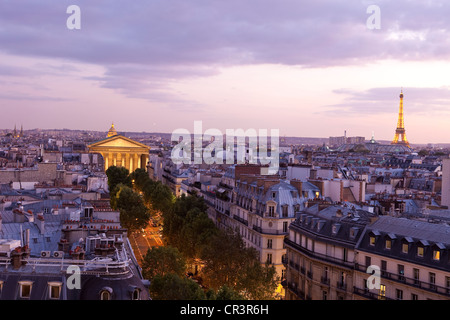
298	185
269	183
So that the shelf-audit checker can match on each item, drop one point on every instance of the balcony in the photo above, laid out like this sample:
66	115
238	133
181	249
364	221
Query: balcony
241	220
369	295
325	280
269	231
319	256
432	287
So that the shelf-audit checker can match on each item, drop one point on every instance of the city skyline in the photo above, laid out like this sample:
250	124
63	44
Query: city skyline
307	69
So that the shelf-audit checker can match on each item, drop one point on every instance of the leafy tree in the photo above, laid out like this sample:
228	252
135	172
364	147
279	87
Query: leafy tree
134	214
224	293
227	262
117	175
223	260
174	287
257	281
162	261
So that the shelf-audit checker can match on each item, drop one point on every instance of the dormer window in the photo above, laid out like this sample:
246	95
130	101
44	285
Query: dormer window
437	248
353	232
54	290
335	228
271	211
405	247
25	289
285	209
406	242
420	251
106	293
373	237
388	244
436	255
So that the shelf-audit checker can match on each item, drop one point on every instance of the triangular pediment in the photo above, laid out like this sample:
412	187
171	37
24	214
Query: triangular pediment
118	141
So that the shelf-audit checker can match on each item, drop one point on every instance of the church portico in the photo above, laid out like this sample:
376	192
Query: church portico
121	151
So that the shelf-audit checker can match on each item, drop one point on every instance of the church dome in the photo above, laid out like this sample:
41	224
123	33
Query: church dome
112	131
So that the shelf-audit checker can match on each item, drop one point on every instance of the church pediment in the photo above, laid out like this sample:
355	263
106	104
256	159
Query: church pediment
117	141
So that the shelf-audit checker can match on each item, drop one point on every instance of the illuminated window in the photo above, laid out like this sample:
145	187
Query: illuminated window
420	251
388	244
405	248
436	255
382	293
372	241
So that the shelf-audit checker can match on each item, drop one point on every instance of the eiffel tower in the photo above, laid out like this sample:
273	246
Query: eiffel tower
400	132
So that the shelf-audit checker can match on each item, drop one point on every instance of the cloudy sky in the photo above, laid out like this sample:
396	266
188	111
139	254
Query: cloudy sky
307	68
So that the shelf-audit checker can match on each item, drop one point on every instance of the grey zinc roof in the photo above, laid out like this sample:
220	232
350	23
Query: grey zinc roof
413	228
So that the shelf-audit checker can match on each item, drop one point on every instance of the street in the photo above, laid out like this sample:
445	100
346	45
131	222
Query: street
142	240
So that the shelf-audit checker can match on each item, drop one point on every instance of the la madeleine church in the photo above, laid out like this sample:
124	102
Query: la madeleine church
118	150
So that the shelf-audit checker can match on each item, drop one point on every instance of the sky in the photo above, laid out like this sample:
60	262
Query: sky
306	68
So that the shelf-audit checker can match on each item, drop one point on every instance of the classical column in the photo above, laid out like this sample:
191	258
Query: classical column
115	159
105	158
139	160
110	159
130	156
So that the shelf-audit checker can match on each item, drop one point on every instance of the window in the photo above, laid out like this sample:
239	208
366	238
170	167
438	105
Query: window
271	211
416	275
388	244
269	258
414	296
401	272
432	278
382	292
285	226
447	284
405	247
436	255
285	211
25	289
136	294
368	261
420	251
269	243
372	241
54	290
106	293
399	294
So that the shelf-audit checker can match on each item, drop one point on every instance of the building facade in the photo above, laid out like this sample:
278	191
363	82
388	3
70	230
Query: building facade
118	150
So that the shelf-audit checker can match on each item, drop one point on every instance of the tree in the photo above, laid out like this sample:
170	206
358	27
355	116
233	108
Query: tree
117	175
227	262
224	293
174	287
134	214
162	261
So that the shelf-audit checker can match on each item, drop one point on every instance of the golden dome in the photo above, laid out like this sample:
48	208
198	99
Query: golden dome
112	131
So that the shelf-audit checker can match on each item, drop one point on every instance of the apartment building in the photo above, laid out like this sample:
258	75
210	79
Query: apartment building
321	250
343	253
